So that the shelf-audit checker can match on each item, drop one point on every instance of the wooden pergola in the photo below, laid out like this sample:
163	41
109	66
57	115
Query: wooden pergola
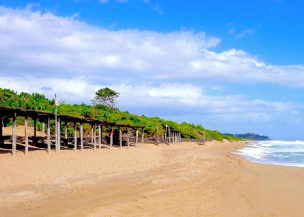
173	136
45	118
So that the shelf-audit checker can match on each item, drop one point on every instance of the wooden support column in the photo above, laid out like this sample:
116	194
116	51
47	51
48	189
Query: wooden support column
142	137
120	138
111	139
172	137
1	130
66	133
75	136
26	135
99	136
136	137
92	136
35	131
81	136
128	138
169	138
43	130
14	146
59	134
49	135
95	139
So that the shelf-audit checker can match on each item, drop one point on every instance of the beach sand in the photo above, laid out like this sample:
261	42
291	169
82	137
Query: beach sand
183	179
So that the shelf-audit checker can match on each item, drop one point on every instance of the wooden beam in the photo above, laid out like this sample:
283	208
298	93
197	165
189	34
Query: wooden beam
81	136
49	135
26	135
14	147
75	136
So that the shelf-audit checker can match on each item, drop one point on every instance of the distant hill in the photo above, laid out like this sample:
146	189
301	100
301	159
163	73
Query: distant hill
250	136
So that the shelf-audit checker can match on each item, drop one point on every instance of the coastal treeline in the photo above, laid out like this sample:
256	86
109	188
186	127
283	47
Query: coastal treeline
153	125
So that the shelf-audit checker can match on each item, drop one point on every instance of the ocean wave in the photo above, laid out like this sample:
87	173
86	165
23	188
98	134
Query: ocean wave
288	153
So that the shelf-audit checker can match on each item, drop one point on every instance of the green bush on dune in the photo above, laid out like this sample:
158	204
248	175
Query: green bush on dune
39	102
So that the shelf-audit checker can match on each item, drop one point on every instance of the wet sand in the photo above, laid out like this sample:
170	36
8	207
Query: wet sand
183	179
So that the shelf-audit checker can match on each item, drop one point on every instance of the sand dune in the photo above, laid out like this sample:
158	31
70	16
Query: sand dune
179	180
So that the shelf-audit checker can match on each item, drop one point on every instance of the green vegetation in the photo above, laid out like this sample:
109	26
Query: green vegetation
250	136
105	96
35	101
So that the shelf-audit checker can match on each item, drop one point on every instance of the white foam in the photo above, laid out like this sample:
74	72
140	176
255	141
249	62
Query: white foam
288	153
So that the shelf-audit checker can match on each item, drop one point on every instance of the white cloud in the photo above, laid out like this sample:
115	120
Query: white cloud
169	72
69	47
241	34
158	9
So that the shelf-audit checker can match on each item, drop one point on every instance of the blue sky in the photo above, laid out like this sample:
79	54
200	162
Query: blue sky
235	66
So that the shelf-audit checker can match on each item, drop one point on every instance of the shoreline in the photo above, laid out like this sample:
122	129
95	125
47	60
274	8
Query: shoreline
252	156
183	179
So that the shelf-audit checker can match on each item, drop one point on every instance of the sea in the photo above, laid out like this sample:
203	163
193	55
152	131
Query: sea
286	153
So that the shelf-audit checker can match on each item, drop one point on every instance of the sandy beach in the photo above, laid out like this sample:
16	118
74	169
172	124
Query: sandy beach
184	179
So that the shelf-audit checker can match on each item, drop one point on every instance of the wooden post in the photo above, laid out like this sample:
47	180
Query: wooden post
59	134
66	132
35	131
128	139
92	133
75	136
111	139
142	137
136	137
169	138
49	135
56	125
99	138
120	138
43	129
81	136
1	130
14	146
157	139
101	134
95	135
172	137
26	134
